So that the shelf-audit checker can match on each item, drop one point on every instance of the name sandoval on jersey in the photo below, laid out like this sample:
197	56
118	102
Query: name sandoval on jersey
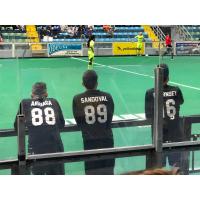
41	104
93	99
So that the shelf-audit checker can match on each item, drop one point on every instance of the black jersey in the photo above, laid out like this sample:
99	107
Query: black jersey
93	111
44	119
172	99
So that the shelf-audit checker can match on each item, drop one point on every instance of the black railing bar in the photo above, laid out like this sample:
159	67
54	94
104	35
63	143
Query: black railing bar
194	171
73	127
90	152
181	144
8	164
115	124
83	158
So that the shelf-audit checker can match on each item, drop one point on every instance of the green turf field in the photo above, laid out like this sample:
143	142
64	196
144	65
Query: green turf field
126	78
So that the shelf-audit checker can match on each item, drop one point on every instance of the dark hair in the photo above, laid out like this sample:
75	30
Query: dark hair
39	89
92	37
165	71
90	78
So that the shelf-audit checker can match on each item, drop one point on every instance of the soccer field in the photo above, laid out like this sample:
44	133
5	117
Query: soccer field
126	78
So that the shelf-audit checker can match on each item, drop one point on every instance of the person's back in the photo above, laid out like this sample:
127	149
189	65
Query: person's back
44	120
172	131
172	99
93	111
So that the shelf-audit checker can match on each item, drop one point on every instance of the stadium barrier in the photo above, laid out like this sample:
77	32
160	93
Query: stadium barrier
192	144
24	50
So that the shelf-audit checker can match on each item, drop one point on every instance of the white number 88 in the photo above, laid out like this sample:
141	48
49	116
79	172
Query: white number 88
37	118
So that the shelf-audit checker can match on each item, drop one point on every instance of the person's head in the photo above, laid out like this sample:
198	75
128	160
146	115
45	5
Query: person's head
165	72
140	33
39	91
92	37
90	80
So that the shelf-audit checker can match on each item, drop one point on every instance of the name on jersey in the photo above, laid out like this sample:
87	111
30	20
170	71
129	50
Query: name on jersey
41	104
168	94
93	99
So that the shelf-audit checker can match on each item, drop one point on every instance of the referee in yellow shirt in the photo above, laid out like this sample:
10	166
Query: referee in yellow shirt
90	45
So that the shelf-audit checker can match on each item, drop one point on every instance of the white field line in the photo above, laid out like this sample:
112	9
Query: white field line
140	74
115	68
126	65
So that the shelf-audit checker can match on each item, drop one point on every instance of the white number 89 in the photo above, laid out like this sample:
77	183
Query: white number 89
90	114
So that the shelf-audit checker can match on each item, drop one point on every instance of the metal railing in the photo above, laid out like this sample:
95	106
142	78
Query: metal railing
82	155
158	31
184	32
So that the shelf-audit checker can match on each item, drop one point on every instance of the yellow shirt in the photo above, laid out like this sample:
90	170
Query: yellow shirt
91	48
139	38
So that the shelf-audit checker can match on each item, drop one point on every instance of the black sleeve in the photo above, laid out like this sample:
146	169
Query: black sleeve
75	112
149	105
180	97
60	116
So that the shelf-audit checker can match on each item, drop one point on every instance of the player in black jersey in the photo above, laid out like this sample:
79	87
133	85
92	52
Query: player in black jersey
172	99
44	119
93	111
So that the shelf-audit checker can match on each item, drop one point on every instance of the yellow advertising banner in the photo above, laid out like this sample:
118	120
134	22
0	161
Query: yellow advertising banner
127	48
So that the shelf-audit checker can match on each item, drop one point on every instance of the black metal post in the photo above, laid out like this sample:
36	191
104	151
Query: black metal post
158	110
21	138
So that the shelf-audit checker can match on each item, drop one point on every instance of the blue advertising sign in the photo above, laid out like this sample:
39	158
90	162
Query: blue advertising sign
187	48
59	49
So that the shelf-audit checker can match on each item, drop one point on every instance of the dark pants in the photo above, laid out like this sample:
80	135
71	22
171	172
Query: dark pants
102	166
47	169
172	132
50	169
175	158
169	51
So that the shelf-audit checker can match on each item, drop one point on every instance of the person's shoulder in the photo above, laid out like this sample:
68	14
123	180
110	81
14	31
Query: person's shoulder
79	95
103	93
53	100
151	90
26	104
50	99
23	101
